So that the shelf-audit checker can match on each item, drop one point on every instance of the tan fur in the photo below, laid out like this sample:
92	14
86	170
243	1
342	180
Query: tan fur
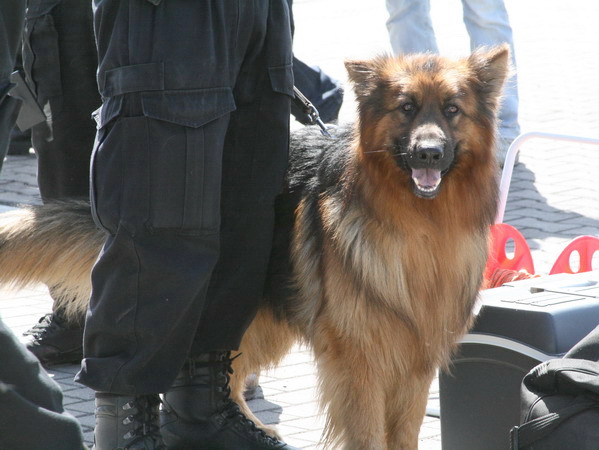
388	292
51	245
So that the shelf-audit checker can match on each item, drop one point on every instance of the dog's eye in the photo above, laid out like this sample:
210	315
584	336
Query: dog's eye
408	107
451	110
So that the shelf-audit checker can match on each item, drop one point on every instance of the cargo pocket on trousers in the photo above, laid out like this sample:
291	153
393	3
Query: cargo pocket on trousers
186	131
104	117
40	58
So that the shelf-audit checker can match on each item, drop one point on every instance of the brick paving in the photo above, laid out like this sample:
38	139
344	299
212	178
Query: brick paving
554	194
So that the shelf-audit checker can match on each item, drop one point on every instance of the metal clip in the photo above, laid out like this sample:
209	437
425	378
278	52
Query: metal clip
310	110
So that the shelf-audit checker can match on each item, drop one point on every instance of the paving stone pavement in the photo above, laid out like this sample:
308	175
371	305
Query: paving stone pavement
554	194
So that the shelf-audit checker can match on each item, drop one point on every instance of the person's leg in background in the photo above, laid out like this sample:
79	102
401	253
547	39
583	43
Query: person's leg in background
410	27
488	23
11	24
20	141
60	62
325	93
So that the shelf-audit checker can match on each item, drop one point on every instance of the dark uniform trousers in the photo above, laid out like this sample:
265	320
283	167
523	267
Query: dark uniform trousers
60	62
190	153
11	23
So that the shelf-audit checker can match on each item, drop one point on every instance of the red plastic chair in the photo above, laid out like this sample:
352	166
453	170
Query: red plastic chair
501	233
586	246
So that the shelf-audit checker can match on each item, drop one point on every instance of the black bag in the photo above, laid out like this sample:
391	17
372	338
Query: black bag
560	401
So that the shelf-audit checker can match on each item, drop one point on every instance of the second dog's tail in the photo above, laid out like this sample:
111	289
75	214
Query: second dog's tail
55	244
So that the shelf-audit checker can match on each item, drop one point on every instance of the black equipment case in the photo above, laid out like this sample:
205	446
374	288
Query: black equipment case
518	326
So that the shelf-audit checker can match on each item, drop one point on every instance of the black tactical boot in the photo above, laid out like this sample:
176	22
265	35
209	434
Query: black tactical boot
53	340
127	422
198	412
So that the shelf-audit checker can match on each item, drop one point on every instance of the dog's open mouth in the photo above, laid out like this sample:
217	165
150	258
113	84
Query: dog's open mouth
426	182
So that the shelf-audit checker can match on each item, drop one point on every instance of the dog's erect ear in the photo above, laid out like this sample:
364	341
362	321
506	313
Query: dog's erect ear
363	75
492	67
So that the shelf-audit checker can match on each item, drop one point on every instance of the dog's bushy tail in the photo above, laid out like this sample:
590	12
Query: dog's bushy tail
55	244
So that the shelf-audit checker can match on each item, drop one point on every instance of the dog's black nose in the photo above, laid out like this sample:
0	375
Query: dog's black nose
429	155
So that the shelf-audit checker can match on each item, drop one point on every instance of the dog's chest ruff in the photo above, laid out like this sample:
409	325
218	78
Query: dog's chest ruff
386	267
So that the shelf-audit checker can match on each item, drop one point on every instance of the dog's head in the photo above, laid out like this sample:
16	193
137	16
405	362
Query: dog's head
429	114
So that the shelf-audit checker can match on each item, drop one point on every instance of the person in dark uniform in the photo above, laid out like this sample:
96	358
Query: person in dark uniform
10	37
190	153
31	411
60	66
60	62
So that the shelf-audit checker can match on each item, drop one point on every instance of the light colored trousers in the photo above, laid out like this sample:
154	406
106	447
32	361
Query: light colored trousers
487	22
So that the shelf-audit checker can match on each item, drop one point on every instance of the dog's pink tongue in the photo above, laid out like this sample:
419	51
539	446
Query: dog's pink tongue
426	177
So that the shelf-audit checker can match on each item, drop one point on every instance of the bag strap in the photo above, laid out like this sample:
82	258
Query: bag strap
581	376
526	434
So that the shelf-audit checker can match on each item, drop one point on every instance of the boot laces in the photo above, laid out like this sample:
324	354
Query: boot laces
47	323
232	410
146	419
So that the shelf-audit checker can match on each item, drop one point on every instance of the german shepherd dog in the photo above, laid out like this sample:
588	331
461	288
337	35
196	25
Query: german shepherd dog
380	244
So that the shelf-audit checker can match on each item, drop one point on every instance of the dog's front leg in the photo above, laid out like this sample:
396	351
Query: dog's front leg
355	401
406	407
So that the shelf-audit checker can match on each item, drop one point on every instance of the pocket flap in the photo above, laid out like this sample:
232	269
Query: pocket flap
190	108
281	79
